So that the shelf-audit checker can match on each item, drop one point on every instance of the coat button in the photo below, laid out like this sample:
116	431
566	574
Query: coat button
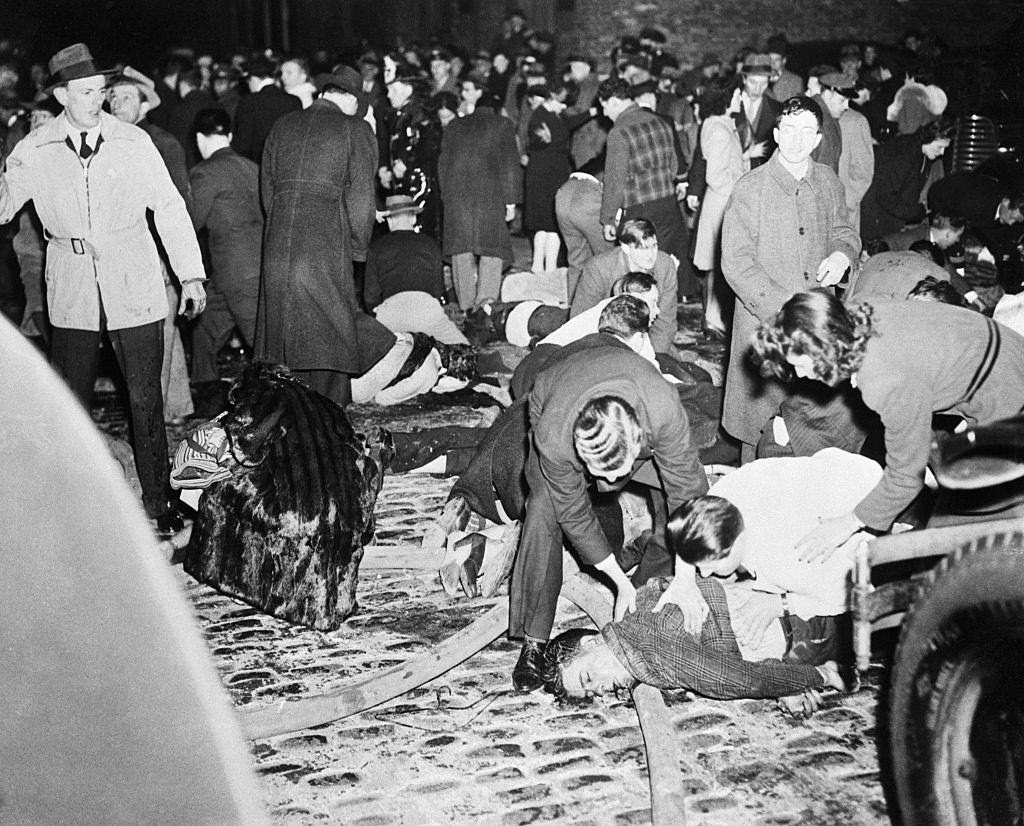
801	230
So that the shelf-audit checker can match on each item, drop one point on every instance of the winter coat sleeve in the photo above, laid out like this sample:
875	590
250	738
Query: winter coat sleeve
666	325
360	197
16	182
509	154
616	171
173	222
590	288
844	238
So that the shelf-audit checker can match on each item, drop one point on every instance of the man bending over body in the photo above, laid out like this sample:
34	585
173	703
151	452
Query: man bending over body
745	528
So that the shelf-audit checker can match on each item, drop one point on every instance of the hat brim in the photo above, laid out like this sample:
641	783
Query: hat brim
65	81
756	70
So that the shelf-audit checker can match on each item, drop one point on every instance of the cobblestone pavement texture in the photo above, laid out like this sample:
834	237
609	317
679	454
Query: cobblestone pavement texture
464	748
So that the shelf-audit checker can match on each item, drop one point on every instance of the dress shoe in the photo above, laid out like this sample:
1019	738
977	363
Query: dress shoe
168	524
526	676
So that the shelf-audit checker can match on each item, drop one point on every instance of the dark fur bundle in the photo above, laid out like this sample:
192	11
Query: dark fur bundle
286	532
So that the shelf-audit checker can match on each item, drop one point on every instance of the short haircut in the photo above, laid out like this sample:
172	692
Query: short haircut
561	652
213	121
704	529
716	96
797	105
777	44
193	77
635	282
636	230
613	87
931	288
941	220
653	34
605	432
444	100
943	127
624	316
930	251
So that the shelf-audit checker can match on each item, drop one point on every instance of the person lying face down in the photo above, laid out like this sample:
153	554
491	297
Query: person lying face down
653	647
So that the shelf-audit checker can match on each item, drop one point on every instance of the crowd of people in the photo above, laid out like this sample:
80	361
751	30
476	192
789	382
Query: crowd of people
329	214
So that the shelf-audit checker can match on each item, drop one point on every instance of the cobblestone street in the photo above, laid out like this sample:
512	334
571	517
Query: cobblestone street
465	748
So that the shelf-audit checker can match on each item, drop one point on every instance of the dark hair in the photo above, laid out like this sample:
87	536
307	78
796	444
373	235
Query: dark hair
212	121
635	282
613	87
930	251
538	90
444	100
931	288
193	77
648	87
942	127
942	220
560	653
624	316
604	432
716	96
815	324
653	34
703	529
636	230
797	105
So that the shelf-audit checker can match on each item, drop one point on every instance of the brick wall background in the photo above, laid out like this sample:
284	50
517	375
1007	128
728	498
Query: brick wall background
695	27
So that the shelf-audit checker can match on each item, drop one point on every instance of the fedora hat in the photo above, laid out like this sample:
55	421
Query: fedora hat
399	204
757	64
344	77
146	87
73	63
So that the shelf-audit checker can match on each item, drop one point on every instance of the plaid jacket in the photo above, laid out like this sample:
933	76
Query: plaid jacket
641	164
656	650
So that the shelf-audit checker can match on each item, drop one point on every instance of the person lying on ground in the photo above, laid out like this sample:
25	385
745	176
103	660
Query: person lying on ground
652	646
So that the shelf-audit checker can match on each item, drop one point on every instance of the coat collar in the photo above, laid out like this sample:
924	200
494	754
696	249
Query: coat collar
56	130
787	182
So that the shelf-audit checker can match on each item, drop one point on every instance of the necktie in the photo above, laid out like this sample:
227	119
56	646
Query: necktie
84	150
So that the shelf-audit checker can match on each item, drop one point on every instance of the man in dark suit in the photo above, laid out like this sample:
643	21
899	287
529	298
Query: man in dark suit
756	121
226	193
258	111
194	98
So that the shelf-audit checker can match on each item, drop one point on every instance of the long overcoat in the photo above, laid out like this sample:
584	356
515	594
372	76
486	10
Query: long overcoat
477	172
776	232
317	183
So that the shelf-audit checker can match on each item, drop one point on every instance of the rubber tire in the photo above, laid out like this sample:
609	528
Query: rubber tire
956	704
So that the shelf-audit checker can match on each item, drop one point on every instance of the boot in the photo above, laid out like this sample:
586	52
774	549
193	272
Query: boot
526	676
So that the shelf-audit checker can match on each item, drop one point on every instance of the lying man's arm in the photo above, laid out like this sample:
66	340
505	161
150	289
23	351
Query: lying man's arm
657	651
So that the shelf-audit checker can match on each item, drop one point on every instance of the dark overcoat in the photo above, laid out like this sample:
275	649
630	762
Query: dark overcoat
317	182
477	173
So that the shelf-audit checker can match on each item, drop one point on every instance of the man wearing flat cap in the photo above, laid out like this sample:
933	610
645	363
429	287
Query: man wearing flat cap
317	182
856	154
258	111
92	178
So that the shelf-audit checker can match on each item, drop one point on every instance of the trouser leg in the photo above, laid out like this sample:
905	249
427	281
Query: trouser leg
75	356
464	276
537	574
242	299
331	384
657	560
210	333
488	288
139	352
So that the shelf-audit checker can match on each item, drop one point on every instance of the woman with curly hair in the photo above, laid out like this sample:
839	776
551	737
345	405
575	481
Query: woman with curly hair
909	360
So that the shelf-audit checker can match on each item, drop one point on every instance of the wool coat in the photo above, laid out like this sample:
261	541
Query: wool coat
317	181
776	232
256	115
856	161
477	173
762	130
927	358
99	208
720	146
894	198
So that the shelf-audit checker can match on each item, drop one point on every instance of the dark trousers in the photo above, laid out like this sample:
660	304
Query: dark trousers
331	384
139	350
227	306
537	575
